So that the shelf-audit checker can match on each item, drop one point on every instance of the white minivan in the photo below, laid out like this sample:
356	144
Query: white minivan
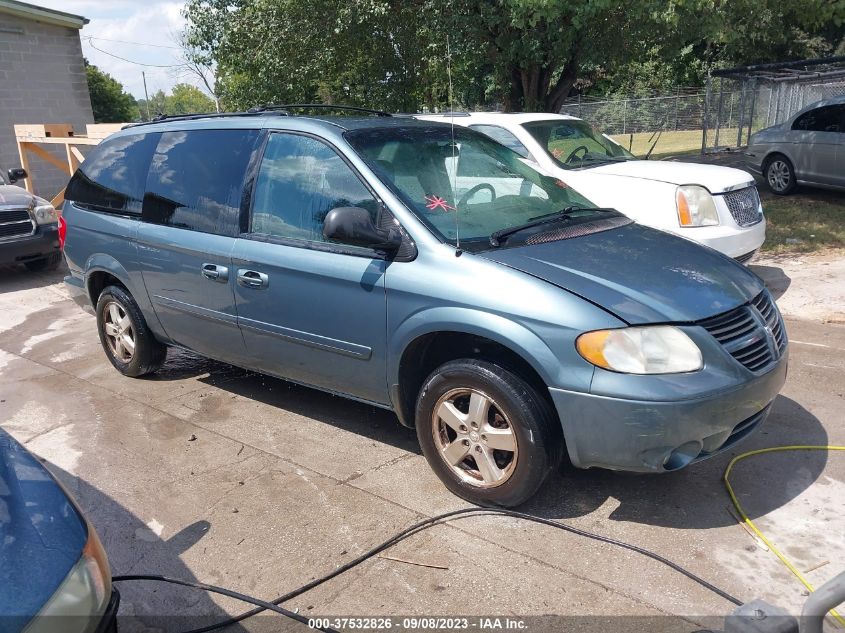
716	206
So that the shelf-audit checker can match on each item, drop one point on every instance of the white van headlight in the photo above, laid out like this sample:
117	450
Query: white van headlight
695	206
657	349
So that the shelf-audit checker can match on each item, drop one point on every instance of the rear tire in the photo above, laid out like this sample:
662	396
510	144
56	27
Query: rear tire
486	433
51	262
128	342
780	175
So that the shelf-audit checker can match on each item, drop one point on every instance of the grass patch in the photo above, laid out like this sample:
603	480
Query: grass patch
815	217
671	142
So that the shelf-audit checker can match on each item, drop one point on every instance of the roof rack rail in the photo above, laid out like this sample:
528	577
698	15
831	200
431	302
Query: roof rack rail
304	106
444	114
198	115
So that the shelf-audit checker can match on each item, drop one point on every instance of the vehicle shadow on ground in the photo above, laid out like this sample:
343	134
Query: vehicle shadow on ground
14	278
132	547
695	497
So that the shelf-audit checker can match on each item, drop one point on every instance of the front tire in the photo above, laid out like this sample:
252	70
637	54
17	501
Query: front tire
486	433
780	175
128	342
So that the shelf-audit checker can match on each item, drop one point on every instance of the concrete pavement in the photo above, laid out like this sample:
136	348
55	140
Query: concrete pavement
209	472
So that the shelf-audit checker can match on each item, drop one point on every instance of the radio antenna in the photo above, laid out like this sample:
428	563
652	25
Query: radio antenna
454	156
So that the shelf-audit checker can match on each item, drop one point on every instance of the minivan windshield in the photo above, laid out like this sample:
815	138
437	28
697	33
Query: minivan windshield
472	186
573	144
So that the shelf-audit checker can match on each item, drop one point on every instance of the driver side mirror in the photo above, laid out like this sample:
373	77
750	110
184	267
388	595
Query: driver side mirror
15	174
354	226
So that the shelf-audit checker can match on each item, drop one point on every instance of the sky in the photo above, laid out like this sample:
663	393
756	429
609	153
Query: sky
147	30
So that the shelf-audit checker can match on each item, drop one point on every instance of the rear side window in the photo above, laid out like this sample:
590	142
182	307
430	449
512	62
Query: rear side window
196	179
503	136
113	176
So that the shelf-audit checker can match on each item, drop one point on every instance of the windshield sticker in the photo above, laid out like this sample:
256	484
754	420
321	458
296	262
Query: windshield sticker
557	152
561	184
436	202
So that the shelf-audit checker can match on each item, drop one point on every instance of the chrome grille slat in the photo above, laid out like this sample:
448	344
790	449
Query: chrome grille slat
744	205
13	215
743	332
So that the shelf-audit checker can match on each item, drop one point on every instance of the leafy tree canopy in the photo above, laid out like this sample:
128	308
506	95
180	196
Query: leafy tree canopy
521	54
108	100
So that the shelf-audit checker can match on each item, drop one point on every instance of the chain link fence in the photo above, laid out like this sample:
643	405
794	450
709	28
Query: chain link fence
738	106
671	123
734	104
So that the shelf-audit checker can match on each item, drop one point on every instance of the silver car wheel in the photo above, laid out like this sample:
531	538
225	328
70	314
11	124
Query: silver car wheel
474	438
778	175
119	333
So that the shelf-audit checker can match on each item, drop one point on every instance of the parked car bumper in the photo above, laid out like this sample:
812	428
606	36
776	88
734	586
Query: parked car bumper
649	436
737	243
42	243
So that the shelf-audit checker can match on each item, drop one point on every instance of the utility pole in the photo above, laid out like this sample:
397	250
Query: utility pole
146	96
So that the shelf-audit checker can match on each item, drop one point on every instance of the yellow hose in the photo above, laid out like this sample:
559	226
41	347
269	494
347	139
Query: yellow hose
756	530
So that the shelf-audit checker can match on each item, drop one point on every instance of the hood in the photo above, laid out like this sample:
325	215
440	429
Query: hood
639	274
41	533
13	196
715	178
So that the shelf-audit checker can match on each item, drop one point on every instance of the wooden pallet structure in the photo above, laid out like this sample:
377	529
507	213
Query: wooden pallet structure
32	138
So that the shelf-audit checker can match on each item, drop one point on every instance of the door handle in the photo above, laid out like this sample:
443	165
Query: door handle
215	272
252	278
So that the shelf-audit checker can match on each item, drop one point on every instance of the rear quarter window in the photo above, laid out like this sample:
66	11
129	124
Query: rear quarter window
196	179
113	176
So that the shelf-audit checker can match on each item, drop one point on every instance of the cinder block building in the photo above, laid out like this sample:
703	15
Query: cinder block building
42	80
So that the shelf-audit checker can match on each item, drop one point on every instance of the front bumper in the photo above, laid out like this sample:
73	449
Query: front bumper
648	436
730	239
42	243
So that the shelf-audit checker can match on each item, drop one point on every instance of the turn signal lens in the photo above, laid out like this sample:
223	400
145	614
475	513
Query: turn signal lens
659	349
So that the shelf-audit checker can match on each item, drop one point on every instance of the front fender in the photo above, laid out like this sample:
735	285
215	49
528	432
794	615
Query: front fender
506	332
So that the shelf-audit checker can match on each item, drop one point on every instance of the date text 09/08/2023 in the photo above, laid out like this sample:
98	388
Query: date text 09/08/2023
479	623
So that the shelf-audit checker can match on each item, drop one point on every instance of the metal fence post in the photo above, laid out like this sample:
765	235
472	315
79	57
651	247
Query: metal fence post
624	115
705	122
741	121
719	111
753	104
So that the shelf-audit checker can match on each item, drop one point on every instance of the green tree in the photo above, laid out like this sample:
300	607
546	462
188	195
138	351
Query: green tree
185	99
108	100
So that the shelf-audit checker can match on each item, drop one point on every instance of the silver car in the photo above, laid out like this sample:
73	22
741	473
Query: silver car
808	149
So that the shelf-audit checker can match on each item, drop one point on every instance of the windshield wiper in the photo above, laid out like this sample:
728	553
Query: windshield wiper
501	235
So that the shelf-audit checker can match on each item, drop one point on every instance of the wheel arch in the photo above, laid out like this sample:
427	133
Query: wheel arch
433	337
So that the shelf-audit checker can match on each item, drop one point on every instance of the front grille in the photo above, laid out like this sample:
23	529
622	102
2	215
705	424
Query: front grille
15	222
577	230
753	334
744	205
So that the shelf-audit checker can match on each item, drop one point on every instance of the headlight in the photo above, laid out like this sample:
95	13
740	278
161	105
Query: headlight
44	213
83	596
695	206
658	349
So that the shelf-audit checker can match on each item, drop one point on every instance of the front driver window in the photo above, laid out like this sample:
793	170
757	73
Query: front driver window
300	180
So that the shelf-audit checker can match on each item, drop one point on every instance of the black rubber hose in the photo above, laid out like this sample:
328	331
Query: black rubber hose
427	523
262	604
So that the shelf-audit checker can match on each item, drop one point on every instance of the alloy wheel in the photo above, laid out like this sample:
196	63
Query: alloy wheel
120	335
474	438
778	175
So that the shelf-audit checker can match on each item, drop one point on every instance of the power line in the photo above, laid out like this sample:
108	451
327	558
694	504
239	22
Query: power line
105	39
130	61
